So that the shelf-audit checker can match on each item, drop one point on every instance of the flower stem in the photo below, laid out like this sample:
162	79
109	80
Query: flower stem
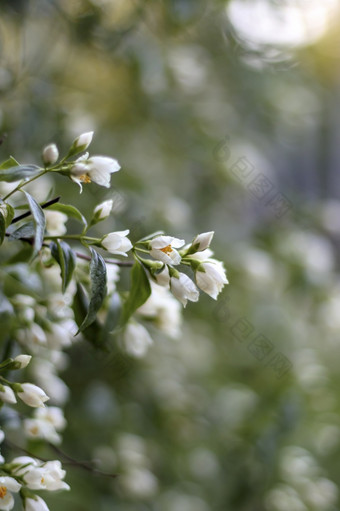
24	184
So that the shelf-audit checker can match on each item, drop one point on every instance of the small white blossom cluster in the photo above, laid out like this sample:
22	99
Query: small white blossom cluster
210	274
160	307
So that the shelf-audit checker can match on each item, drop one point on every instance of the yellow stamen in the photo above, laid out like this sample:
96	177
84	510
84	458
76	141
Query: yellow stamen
42	480
167	249
3	492
34	430
85	178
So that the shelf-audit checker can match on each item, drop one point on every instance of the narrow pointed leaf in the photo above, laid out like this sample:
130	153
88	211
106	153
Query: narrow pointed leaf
98	288
66	258
39	223
18	172
139	292
25	231
11	162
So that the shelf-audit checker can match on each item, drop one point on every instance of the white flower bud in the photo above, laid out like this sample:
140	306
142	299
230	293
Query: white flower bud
7	395
202	241
83	141
211	277
35	504
117	242
163	248
137	340
103	210
24	360
184	289
32	395
50	154
55	222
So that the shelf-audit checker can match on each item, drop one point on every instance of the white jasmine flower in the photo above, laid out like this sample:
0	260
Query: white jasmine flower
60	335
211	277
164	309
35	504
7	485
2	438
117	242
23	360
163	249
45	375
137	339
23	462
55	222
32	395
7	395
83	141
48	476
36	429
50	154
103	210
163	278
52	414
96	168
202	241
32	336
184	289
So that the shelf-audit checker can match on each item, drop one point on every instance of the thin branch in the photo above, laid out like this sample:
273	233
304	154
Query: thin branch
85	465
28	213
117	262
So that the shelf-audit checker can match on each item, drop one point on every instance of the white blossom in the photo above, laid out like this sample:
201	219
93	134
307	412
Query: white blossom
103	210
23	360
163	277
163	248
7	395
32	395
50	154
117	242
202	241
211	277
35	504
47	476
8	485
55	222
137	339
2	438
45	424
163	309
83	141
184	289
36	429
96	168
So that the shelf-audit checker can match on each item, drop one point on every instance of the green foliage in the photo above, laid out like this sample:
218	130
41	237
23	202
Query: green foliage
139	292
39	223
98	288
66	259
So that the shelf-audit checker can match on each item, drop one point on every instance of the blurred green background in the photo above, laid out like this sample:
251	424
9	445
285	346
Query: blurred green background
224	116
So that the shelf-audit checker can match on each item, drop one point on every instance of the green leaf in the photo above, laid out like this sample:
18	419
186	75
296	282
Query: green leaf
11	162
6	217
80	307
66	258
26	231
98	288
139	293
39	223
70	211
2	228
19	172
112	318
